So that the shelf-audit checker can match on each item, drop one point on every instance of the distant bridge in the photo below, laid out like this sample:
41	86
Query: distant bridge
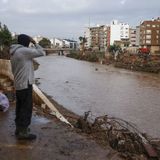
60	51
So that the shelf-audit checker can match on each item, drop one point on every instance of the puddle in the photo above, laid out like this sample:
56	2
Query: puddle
40	120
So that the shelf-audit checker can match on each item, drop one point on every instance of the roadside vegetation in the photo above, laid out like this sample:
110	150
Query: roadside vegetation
5	41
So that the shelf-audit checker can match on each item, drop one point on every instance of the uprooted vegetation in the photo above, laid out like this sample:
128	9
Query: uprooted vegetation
145	63
121	136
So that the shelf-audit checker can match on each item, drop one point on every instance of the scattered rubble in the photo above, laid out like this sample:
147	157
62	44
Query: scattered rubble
121	136
149	63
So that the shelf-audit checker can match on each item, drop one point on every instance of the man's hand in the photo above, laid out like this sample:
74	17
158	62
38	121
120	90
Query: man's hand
32	40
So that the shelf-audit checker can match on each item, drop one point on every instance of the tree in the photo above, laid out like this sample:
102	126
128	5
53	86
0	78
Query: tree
83	40
113	48
45	43
5	41
5	37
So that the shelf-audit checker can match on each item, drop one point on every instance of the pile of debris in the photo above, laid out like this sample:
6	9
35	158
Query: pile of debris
150	63
120	135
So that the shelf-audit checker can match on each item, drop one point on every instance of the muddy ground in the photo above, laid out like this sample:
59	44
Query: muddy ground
55	140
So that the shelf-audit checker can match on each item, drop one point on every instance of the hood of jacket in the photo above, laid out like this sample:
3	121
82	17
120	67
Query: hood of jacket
14	47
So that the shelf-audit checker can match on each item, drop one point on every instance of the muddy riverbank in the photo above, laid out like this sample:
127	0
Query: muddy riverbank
135	62
145	63
58	139
132	147
55	140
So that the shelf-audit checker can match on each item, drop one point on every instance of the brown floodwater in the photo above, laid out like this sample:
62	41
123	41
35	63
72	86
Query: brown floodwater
81	86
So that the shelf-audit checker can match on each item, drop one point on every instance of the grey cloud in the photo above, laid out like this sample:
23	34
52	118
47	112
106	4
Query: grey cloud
67	18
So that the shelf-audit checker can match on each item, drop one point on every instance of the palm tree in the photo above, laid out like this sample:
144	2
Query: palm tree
83	40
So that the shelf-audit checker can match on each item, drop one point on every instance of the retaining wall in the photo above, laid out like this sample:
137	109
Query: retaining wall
5	68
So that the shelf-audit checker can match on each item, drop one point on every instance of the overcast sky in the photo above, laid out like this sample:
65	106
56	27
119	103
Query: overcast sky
68	18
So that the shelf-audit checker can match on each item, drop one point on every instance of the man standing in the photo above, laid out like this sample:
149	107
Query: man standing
23	71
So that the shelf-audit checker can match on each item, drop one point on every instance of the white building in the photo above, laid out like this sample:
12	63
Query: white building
67	43
118	31
87	35
14	34
38	38
56	42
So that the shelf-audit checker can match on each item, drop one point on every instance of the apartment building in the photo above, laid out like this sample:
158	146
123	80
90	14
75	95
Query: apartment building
106	37
118	32
87	35
150	35
98	37
137	36
132	37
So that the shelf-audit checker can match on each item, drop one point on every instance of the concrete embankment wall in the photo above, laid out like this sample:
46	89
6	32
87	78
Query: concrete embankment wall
5	68
38	97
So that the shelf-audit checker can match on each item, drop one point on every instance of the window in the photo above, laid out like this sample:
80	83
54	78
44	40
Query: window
153	26
158	31
157	36
148	41
148	31
148	36
148	25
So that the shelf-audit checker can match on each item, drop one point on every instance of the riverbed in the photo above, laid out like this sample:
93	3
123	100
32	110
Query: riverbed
81	86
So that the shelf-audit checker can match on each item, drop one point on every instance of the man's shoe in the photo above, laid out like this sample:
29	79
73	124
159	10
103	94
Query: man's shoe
26	136
23	134
19	130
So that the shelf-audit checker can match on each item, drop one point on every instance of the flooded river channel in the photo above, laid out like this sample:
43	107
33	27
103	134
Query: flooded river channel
81	86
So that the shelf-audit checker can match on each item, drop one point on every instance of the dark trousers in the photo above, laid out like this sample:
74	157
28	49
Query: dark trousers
24	107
